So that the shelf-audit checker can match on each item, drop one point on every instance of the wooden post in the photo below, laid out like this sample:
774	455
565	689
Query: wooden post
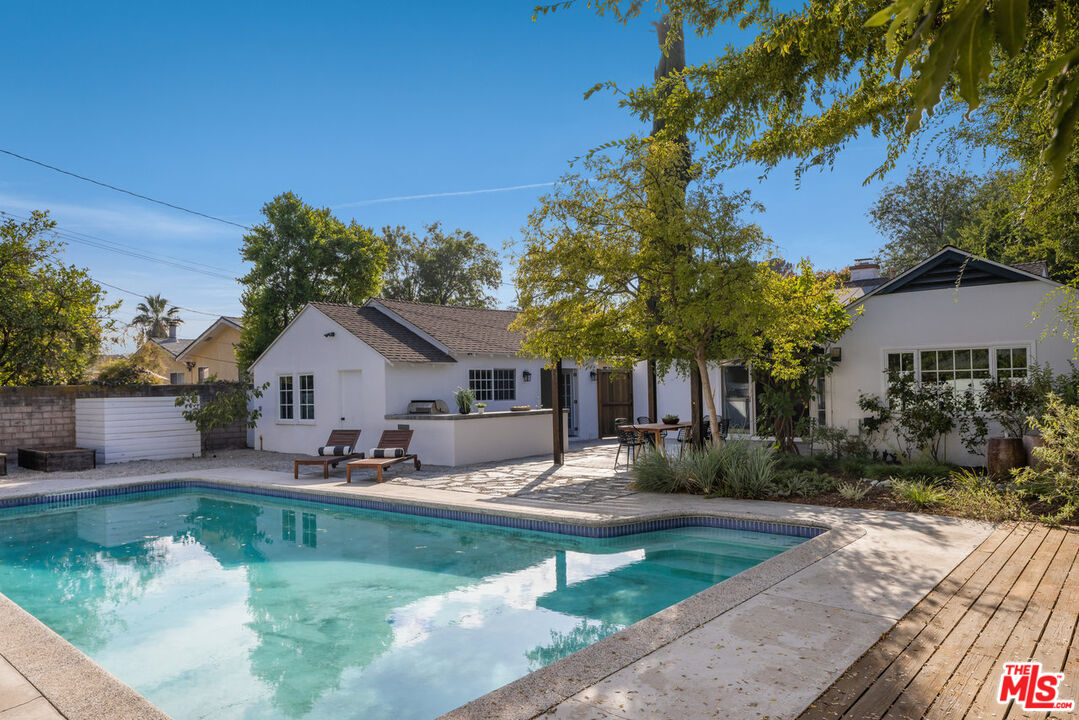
556	413
696	406
653	409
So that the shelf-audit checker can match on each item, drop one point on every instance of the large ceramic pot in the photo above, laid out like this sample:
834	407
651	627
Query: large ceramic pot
1029	443
1005	453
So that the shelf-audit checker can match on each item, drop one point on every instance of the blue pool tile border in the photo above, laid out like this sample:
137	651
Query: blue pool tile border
84	497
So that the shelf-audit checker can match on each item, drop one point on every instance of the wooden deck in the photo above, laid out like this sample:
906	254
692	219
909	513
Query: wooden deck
1015	598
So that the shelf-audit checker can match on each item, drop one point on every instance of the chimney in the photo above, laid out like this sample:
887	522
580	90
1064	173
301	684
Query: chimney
864	269
172	332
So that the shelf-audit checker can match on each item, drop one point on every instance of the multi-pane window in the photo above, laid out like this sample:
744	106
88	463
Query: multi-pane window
481	382
177	378
497	384
310	529
962	367
288	525
284	397
1011	362
505	384
307	397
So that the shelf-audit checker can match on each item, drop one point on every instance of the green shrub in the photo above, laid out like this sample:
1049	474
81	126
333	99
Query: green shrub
702	466
748	470
908	471
853	490
973	495
800	483
920	492
654	472
790	461
853	466
1056	479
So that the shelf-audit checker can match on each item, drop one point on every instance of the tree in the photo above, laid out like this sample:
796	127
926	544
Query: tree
53	316
156	317
817	76
802	317
299	255
928	211
442	268
622	262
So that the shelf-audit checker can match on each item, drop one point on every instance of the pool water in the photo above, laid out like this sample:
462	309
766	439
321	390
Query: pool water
232	605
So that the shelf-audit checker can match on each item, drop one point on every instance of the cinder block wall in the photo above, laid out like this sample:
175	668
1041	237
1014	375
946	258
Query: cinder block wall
41	417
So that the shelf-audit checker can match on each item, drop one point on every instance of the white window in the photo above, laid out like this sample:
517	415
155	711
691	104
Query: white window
284	397
961	367
505	384
177	378
204	374
307	397
481	382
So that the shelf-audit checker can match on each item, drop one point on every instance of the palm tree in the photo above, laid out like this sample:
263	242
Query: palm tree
154	319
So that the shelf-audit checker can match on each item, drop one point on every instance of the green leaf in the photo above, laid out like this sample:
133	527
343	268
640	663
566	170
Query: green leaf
1010	23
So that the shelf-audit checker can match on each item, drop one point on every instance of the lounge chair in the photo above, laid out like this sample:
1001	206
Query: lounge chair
338	438
390	439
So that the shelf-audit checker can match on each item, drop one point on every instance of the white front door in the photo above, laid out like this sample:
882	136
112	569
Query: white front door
352	400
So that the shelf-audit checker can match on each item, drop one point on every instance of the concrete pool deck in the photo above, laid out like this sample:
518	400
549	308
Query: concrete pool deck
763	644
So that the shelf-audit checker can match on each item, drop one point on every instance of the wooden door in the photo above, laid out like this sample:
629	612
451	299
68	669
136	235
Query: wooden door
614	393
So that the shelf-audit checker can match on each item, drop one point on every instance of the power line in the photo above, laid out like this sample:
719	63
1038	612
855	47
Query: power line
143	296
121	190
122	249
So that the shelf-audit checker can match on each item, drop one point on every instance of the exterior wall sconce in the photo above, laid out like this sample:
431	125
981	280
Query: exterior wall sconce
837	354
592	375
331	333
526	376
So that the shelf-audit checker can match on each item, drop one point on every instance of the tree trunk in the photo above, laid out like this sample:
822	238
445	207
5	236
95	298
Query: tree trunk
710	401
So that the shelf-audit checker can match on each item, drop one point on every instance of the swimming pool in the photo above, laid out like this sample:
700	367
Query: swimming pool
234	605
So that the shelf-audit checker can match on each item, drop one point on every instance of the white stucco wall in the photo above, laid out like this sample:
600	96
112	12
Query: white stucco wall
981	316
350	381
438	381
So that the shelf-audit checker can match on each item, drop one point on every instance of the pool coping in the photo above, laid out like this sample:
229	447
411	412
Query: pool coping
80	688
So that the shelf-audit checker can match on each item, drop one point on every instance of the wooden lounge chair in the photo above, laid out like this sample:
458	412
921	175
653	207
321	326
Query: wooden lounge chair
347	438
390	439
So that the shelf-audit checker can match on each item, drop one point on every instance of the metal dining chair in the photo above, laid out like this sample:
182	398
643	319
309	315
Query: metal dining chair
627	439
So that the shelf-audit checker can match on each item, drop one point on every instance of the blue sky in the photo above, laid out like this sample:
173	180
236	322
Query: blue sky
220	106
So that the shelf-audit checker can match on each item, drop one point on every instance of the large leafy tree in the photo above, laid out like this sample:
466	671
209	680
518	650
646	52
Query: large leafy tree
921	215
826	71
53	316
445	268
622	261
302	254
155	317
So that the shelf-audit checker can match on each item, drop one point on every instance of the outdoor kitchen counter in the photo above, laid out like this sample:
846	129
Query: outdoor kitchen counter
455	439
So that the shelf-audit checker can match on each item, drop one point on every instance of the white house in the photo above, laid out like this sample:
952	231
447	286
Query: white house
953	317
342	366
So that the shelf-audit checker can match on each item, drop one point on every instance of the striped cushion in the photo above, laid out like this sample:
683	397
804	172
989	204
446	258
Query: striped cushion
335	450
387	452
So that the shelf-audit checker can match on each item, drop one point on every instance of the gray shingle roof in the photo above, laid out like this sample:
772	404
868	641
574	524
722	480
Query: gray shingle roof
174	347
386	336
461	329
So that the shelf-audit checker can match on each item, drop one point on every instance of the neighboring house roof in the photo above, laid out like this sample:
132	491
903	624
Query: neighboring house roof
173	346
459	329
208	334
950	266
383	334
1038	267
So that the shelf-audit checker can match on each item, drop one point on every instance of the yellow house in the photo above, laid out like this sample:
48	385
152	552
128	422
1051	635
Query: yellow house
211	355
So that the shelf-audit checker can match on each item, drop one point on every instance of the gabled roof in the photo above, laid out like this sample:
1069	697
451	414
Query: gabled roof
173	346
208	334
460	329
951	267
383	334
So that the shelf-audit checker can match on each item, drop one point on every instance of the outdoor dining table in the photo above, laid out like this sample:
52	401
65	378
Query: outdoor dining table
657	429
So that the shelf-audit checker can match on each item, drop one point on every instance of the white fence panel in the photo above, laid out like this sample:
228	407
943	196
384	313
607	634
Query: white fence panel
136	428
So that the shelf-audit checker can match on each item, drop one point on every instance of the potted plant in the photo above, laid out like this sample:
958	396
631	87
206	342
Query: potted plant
480	407
1010	402
670	419
464	399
